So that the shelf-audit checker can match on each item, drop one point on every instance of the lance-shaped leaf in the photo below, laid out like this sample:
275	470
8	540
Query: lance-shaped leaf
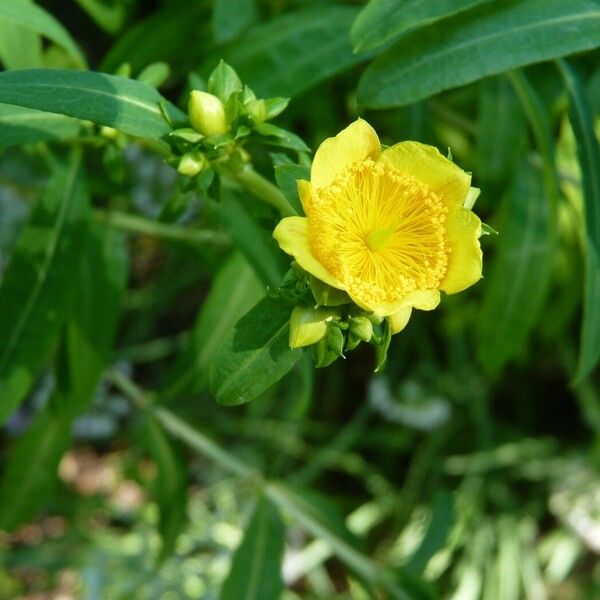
20	47
515	288
588	152
127	105
255	355
36	289
384	20
488	40
256	569
34	18
291	53
31	471
20	125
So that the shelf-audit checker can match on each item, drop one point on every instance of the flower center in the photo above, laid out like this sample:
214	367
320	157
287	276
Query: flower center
380	232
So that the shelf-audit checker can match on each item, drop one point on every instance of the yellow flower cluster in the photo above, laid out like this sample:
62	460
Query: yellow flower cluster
389	227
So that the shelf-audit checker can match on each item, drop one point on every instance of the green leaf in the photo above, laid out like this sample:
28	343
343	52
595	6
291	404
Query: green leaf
20	47
224	81
442	521
110	17
256	569
384	20
253	240
255	355
92	321
231	17
486	41
286	177
170	490
33	17
500	132
588	152
173	35
516	286
31	470
283	138
37	284
127	105
234	291
25	126
292	53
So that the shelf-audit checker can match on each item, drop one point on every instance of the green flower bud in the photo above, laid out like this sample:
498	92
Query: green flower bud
191	164
207	114
110	133
335	340
257	109
361	327
325	295
309	325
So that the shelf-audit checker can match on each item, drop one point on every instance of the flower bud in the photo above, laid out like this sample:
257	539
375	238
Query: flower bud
257	109
309	325
361	327
207	114
191	164
325	295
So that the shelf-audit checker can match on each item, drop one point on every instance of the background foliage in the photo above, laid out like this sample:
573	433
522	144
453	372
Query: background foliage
467	469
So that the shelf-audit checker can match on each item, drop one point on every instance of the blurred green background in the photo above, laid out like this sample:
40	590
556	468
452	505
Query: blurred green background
466	469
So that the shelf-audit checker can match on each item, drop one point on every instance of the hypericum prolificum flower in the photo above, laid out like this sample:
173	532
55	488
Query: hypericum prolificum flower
390	227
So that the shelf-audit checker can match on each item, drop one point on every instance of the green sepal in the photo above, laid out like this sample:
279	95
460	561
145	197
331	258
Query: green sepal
326	295
223	81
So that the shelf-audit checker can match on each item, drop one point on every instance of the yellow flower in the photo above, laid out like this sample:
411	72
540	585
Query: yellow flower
389	227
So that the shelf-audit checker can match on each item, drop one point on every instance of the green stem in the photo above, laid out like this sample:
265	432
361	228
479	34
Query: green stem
135	224
277	492
262	188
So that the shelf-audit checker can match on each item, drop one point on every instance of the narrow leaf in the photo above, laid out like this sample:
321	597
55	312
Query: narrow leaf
293	52
384	20
255	355
256	569
25	126
516	286
125	104
20	48
234	291
488	40
34	18
231	17
37	284
256	243
500	132
31	470
170	489
588	152
92	321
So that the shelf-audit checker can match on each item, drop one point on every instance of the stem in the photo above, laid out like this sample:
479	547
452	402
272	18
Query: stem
135	224
262	188
277	492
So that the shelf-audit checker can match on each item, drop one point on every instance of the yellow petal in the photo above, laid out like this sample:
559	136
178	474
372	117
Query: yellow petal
426	164
304	193
357	142
420	299
292	235
465	261
399	320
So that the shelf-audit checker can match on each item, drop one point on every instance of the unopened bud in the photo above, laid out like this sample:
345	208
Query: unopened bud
190	164
207	114
309	325
361	327
257	109
325	295
110	133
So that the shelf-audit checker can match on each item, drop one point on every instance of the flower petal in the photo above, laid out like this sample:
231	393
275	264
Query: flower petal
465	260
304	193
357	142
399	320
420	299
292	236
426	164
